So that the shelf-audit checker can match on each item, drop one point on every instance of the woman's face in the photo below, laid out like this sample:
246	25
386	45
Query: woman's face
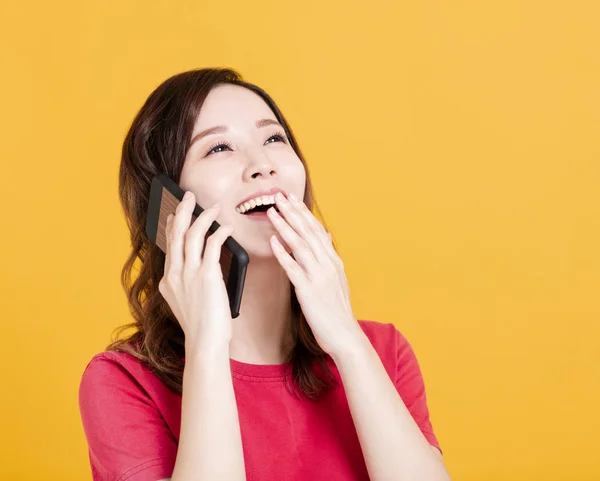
245	153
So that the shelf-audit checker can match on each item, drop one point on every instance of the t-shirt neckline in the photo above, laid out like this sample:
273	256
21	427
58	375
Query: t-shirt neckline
241	369
259	370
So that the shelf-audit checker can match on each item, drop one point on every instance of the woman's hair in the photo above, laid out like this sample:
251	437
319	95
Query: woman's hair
158	141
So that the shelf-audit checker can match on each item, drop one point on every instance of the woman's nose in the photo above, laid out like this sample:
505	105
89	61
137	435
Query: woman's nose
259	164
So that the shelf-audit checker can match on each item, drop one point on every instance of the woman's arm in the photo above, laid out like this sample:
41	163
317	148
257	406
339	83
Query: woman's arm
210	442
393	445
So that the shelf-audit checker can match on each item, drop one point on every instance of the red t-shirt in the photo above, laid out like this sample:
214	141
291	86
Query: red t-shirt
131	419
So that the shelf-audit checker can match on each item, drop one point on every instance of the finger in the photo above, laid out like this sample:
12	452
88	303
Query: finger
309	216
299	246
324	236
301	226
196	237
329	247
212	253
175	239
294	272
320	230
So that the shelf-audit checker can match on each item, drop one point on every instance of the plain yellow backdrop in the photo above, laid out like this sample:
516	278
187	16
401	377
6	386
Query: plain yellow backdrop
455	153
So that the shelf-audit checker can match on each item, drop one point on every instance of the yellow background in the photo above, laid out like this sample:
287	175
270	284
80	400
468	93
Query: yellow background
455	153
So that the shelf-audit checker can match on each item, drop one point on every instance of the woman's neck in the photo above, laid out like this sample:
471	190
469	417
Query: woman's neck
262	331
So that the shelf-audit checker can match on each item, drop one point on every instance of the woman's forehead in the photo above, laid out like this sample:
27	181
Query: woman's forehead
232	104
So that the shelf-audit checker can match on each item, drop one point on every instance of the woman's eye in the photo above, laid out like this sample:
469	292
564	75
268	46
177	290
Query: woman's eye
218	148
223	146
277	137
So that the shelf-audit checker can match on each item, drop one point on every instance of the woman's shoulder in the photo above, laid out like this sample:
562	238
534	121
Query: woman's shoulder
391	345
110	368
110	359
382	334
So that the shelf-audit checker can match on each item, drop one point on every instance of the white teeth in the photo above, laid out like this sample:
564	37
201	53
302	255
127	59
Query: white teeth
262	200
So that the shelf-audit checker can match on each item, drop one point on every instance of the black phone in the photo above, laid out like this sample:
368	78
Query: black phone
165	196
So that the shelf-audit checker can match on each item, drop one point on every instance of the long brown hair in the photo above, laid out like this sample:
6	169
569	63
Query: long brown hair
158	141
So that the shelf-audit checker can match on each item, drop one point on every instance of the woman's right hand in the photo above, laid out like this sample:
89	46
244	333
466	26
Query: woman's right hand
193	284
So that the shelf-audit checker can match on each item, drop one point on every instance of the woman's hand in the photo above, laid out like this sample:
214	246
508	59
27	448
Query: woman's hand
193	284
317	273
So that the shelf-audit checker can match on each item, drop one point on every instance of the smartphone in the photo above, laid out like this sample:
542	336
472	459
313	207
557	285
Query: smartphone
165	196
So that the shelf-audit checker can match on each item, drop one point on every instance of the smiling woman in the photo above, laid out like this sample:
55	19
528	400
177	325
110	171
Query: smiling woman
296	379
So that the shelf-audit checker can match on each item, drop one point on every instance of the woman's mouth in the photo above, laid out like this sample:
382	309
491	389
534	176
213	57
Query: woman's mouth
257	205
257	215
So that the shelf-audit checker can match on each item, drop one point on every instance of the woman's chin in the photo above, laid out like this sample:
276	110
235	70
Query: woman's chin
257	241
260	251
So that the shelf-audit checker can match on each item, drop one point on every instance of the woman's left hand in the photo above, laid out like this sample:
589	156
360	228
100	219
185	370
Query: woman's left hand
317	273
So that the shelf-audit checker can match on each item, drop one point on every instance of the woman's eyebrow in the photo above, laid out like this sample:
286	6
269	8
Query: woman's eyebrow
266	122
213	130
219	129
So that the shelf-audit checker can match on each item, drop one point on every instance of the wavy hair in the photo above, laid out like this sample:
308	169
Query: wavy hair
158	141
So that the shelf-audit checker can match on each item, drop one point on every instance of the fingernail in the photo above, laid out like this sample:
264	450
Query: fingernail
280	196
187	195
293	197
169	219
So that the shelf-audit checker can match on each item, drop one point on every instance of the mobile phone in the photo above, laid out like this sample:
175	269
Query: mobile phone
165	196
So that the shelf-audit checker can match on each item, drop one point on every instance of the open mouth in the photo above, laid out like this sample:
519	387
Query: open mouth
259	209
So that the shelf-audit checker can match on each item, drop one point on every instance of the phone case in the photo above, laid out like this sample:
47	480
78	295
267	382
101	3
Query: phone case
165	196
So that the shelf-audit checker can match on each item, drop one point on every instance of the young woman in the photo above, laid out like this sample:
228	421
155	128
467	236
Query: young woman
295	388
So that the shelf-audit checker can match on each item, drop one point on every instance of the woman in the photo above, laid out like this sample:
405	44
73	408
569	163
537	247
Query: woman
295	388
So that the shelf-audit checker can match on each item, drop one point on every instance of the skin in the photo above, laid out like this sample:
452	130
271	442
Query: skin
256	160
393	445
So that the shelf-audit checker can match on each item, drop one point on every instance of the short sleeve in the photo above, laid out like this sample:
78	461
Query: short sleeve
128	439
410	385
